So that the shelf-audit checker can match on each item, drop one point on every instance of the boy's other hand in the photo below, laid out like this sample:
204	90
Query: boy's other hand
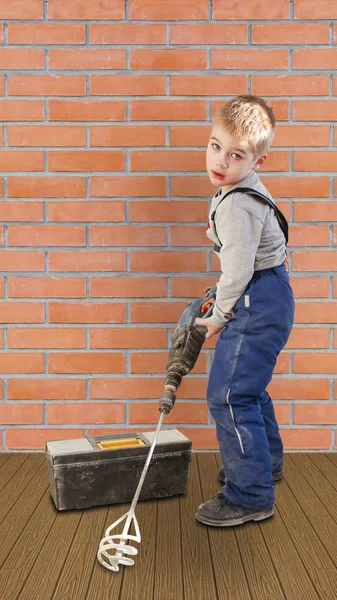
211	329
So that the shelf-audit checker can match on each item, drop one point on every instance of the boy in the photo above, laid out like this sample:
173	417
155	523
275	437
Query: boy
254	311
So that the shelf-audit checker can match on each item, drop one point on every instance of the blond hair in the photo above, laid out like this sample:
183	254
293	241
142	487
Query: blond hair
250	119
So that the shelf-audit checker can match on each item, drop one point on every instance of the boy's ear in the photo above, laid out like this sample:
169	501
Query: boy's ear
260	161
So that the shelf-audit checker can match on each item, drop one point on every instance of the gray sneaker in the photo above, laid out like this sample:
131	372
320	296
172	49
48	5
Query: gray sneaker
220	512
277	475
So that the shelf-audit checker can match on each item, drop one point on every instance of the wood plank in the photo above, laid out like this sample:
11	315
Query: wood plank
16	486
315	558
326	467
27	547
168	558
4	456
262	577
77	569
333	457
229	572
198	573
45	572
23	507
10	467
313	499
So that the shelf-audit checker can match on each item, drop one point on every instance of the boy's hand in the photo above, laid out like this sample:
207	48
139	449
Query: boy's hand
211	329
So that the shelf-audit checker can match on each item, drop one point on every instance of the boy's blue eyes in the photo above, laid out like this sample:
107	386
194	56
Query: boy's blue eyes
234	154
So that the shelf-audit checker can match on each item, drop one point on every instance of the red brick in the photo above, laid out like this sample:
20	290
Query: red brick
87	312
189	135
21	211
174	10
282	364
169	260
306	439
21	414
184	412
22	110
254	9
128	135
156	312
195	186
290	85
46	287
168	110
309	337
46	187
127	235
86	362
86	160
21	160
22	58
147	388
316	211
46	33
46	337
315	414
46	389
311	362
125	337
86	110
191	287
172	59
302	135
205	85
87	260
314	260
282	412
316	312
128	185
311	160
155	362
314	58
189	236
277	160
335	287
86	10
151	211
21	260
45	235
209	33
310	287
128	287
128	85
85	412
171	160
298	187
201	438
299	389
309	235
21	312
86	211
290	33
21	362
252	58
310	9
1	42
35	439
46	85
127	33
314	110
46	135
87	58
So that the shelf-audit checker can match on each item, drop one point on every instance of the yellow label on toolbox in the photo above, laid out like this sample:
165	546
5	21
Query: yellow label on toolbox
121	443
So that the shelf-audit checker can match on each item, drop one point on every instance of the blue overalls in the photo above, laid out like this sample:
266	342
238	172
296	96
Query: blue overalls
245	356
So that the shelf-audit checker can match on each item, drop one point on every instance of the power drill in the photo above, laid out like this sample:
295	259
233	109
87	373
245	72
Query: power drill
185	346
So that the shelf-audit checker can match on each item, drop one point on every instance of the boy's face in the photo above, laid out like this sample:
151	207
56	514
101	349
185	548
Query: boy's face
228	158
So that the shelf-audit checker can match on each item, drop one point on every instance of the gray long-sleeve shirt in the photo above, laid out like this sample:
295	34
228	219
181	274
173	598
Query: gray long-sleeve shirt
251	240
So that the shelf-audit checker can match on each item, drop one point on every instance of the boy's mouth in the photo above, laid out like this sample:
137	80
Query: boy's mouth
217	175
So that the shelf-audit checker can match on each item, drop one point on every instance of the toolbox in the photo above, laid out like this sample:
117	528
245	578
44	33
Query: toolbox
106	469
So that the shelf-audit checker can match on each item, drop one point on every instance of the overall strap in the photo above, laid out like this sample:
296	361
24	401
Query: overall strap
282	221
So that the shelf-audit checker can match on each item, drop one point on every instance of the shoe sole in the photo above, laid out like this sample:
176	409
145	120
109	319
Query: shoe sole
258	516
276	477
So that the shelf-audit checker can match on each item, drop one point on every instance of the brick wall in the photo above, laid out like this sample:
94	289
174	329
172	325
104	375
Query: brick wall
105	110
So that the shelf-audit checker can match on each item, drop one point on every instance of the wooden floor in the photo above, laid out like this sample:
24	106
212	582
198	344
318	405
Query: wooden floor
50	555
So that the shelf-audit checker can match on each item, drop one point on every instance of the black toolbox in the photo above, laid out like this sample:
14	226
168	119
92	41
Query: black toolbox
106	469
